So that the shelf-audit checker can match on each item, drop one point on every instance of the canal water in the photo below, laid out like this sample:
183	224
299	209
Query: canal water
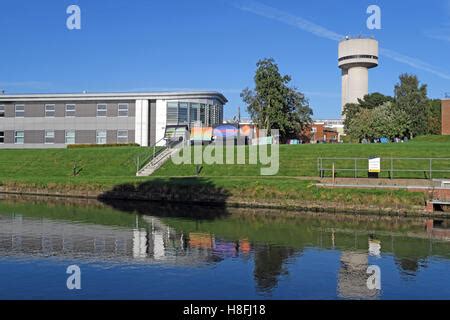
130	250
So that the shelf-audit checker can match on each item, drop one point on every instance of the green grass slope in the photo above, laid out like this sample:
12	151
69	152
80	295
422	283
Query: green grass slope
301	160
98	166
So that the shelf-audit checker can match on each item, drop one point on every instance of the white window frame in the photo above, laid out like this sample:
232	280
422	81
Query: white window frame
105	110
127	106
15	110
45	137
74	110
16	137
2	135
97	137
54	110
74	136
2	111
123	137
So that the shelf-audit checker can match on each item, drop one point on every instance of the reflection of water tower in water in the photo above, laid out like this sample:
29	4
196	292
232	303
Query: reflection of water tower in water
353	276
356	57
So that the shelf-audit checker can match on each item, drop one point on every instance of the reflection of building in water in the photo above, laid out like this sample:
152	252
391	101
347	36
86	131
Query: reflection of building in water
152	242
201	240
352	283
438	229
225	249
21	236
245	246
374	247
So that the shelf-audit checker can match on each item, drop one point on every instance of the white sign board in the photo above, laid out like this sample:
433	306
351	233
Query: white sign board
375	165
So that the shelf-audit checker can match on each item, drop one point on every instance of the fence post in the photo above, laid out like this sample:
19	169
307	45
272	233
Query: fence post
322	172
392	168
356	168
318	165
334	174
431	168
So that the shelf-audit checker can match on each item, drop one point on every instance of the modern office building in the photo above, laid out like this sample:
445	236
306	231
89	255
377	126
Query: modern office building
356	57
445	111
58	120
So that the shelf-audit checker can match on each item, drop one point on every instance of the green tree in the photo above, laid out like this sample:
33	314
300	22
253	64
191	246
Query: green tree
358	126
434	117
388	121
373	100
370	101
383	121
411	98
275	105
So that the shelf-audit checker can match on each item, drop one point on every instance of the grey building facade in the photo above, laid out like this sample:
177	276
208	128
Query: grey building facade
58	120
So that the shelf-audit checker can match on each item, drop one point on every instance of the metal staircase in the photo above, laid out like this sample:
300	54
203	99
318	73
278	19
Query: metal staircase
160	157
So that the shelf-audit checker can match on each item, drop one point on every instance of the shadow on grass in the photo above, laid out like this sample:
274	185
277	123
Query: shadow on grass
196	198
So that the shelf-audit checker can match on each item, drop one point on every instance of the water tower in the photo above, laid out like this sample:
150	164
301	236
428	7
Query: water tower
356	57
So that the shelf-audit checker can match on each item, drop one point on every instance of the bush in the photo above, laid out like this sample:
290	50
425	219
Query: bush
348	139
82	146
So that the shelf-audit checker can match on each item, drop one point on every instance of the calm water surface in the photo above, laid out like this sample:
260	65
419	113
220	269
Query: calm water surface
145	251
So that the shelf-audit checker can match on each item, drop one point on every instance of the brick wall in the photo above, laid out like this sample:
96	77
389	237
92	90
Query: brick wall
446	117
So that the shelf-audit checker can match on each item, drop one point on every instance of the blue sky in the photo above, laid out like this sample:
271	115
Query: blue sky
156	45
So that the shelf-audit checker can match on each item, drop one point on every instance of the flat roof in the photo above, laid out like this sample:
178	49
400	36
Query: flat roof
359	37
164	95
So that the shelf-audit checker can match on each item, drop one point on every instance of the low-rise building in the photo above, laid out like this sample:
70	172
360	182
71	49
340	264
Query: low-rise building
58	120
324	131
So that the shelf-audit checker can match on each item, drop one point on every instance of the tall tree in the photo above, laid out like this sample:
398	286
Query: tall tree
373	100
434	117
411	98
275	105
383	121
370	101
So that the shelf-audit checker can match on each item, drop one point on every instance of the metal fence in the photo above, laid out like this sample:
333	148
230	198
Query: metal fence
425	168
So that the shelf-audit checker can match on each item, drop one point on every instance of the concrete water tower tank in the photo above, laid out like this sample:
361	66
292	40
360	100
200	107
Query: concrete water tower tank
356	57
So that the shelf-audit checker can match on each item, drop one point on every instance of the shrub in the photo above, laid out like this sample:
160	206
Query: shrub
82	146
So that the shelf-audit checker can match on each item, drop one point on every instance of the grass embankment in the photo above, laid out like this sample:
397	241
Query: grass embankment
97	167
302	160
103	169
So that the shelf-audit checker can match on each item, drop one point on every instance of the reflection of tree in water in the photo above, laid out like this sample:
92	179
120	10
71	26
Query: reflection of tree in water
270	265
409	267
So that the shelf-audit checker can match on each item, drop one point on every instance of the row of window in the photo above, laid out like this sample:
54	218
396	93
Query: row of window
361	56
184	113
70	137
70	111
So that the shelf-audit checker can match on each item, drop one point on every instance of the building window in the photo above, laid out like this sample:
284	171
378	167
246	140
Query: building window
49	137
122	136
102	110
70	110
2	137
202	114
70	137
49	110
19	137
183	113
172	113
20	111
2	111
194	112
123	110
101	136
